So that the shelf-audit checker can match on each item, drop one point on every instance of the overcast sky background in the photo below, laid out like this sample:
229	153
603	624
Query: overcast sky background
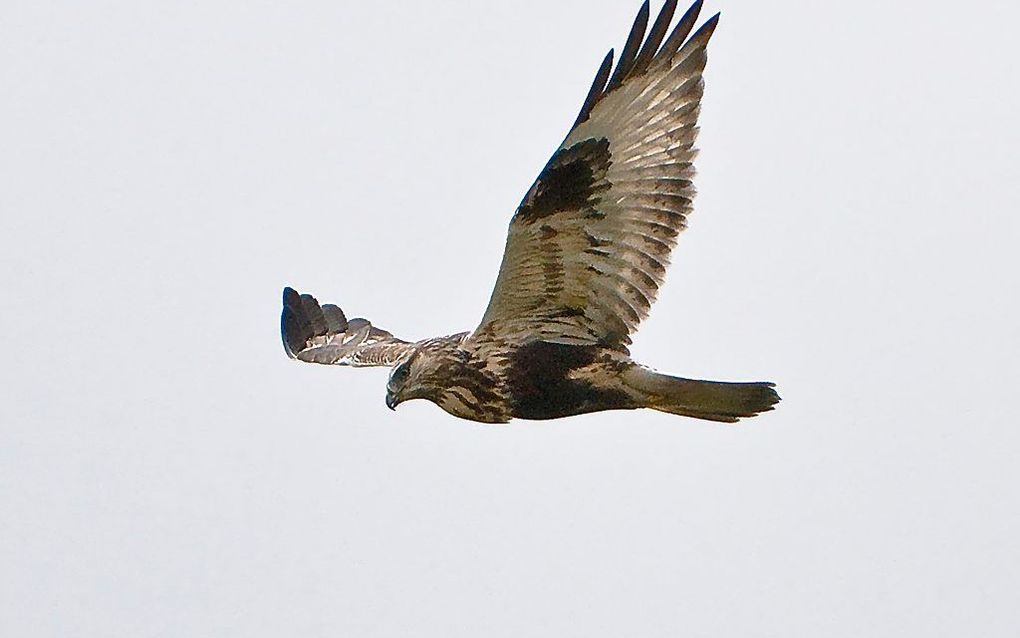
166	471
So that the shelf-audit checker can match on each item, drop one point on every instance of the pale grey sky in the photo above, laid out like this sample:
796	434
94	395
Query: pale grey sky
166	471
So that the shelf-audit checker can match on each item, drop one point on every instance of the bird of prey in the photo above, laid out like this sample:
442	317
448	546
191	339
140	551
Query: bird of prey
586	252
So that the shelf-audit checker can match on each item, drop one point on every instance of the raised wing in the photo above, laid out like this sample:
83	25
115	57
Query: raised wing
322	334
589	244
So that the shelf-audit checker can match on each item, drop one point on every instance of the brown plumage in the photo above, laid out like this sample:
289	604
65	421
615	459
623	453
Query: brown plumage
586	252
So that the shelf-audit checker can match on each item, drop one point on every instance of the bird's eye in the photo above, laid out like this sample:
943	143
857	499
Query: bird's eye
400	373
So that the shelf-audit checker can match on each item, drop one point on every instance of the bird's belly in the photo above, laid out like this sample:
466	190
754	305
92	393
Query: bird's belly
552	380
568	399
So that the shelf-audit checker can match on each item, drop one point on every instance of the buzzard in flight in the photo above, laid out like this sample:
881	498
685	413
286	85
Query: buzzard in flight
586	252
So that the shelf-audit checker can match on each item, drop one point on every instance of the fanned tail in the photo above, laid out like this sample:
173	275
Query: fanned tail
709	400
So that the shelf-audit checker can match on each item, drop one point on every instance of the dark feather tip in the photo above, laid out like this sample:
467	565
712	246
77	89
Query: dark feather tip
296	326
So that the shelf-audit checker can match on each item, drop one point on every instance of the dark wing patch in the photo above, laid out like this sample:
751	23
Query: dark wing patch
573	179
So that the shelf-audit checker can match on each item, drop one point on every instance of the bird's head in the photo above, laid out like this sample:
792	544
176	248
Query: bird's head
400	386
441	371
416	377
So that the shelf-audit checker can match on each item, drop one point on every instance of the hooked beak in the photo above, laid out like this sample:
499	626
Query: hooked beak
391	400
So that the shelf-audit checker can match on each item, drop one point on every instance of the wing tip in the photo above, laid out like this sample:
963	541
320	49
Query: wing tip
291	322
655	36
628	56
303	319
598	87
705	32
641	54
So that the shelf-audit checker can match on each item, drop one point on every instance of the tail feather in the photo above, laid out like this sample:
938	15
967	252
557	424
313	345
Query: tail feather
709	400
